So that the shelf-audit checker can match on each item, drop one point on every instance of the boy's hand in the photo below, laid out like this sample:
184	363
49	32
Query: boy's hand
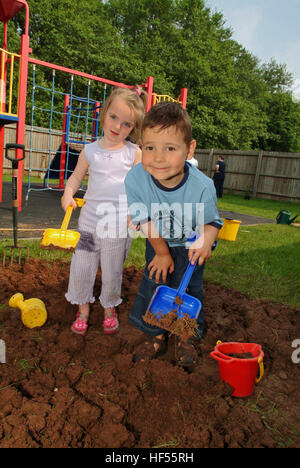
200	251
131	226
161	265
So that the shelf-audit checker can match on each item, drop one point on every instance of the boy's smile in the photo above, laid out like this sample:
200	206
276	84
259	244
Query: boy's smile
164	153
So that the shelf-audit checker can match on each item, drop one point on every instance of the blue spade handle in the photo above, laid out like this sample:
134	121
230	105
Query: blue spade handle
190	268
185	280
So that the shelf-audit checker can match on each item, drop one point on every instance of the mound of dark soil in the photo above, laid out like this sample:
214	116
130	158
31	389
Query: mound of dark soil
62	390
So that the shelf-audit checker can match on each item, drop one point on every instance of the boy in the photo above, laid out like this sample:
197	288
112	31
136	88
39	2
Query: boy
170	198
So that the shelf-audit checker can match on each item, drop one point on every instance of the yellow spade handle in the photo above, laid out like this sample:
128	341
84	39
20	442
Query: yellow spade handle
261	369
80	202
67	218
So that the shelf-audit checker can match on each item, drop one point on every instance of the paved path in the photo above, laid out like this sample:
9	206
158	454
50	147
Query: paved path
43	210
246	219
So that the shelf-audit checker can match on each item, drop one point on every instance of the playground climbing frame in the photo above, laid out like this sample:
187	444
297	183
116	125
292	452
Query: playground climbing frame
8	9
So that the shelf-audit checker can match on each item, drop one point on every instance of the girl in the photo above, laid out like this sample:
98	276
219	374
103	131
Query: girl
103	219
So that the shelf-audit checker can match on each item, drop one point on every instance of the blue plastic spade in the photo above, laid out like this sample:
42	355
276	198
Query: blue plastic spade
166	299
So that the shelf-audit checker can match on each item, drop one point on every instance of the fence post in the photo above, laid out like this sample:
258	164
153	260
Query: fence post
209	162
257	173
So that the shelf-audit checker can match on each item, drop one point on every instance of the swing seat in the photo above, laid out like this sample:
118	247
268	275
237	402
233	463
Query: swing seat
54	171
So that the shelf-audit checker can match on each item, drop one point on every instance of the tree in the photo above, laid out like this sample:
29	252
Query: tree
234	102
283	113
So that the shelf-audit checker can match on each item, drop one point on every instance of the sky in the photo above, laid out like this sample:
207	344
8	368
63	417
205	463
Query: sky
267	28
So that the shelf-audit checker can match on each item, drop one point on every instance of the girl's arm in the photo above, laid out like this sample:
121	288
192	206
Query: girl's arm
74	182
137	156
162	262
137	159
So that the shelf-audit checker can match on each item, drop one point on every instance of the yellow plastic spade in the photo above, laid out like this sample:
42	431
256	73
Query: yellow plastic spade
33	311
62	238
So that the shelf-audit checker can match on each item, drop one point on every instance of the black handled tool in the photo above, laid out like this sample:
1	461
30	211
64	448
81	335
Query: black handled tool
15	164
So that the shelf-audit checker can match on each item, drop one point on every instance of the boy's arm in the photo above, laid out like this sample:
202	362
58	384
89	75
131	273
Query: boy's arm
162	262
200	250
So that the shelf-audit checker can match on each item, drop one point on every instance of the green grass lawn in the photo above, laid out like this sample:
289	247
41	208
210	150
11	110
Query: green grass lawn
257	206
35	180
263	262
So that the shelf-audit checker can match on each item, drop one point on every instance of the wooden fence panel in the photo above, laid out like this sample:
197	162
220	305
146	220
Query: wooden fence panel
258	173
42	147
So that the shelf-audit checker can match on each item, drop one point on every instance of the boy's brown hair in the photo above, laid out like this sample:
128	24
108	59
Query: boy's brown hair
169	114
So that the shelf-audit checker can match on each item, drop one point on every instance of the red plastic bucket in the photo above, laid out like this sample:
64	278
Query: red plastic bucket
239	373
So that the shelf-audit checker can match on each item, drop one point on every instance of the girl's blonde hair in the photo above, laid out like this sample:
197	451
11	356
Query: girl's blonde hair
136	99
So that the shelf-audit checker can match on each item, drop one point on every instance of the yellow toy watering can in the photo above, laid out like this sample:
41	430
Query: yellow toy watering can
33	311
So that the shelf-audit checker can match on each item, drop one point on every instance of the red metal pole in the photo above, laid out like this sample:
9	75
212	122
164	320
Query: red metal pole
5	37
62	166
96	111
53	66
2	129
24	52
1	159
149	89
183	97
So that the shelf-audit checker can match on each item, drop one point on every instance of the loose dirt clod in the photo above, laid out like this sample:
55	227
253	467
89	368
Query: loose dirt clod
184	327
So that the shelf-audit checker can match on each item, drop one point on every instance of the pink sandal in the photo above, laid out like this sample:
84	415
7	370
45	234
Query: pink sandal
80	325
110	323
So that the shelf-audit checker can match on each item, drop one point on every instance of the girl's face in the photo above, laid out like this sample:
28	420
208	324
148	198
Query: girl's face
118	122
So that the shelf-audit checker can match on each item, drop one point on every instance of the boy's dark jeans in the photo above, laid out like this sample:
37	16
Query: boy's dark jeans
148	287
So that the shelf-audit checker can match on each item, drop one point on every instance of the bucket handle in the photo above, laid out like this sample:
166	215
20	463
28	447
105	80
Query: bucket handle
223	357
220	357
261	369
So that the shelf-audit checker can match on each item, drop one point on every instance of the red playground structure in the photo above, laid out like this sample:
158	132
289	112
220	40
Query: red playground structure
13	87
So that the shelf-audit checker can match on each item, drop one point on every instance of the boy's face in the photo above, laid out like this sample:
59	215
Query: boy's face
164	153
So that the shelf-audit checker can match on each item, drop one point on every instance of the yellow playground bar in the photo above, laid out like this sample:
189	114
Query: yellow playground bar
9	107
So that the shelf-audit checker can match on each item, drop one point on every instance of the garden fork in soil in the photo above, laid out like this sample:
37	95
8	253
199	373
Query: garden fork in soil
15	162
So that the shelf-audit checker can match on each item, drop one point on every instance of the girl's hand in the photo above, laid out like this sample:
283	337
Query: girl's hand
67	201
161	265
